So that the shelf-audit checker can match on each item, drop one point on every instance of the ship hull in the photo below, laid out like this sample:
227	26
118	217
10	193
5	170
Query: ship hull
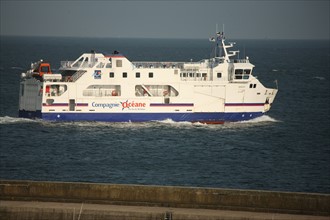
111	88
208	118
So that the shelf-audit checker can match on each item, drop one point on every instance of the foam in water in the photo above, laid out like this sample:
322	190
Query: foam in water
319	78
16	68
170	122
185	124
11	120
264	118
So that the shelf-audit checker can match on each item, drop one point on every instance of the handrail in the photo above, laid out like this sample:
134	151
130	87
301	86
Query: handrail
66	64
240	61
147	64
79	64
77	75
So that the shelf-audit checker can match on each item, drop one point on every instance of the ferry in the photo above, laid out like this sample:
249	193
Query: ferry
111	88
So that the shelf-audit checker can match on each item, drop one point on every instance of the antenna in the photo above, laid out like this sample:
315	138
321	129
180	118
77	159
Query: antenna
223	28
216	41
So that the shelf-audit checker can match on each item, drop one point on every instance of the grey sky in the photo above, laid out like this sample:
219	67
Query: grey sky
307	19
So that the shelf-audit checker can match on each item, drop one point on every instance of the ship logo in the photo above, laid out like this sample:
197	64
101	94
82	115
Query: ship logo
131	105
97	74
124	104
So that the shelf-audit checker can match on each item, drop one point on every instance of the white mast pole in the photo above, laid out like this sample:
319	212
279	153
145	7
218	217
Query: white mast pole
216	41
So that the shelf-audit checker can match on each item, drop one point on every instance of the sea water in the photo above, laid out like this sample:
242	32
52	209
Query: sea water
288	149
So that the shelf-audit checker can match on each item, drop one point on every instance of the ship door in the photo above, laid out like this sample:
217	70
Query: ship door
72	104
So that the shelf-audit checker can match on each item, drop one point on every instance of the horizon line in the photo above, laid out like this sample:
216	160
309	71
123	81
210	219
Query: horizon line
160	38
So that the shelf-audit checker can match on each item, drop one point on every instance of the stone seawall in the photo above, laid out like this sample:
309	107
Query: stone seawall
167	196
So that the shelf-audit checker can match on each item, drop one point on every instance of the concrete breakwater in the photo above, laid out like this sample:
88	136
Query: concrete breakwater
167	196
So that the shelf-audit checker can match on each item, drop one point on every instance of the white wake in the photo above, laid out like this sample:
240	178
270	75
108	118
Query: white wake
12	120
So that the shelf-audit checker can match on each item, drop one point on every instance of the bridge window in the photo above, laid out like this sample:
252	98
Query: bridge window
137	75
151	75
238	74
112	75
124	74
219	75
247	71
242	73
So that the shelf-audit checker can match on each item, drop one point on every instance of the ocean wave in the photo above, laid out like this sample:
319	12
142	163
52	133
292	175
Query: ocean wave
171	122
319	77
12	120
168	122
16	68
264	118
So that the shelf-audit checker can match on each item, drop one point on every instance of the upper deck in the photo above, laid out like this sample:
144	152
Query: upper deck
107	63
220	68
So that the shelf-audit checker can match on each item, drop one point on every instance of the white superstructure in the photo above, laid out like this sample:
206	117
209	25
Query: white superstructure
102	87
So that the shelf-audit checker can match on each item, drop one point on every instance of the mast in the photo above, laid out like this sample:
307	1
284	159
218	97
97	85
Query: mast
216	40
220	46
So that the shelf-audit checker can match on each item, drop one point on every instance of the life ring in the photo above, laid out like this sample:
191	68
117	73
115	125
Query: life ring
165	93
114	93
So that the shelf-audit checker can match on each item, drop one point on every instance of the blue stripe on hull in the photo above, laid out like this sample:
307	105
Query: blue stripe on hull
142	117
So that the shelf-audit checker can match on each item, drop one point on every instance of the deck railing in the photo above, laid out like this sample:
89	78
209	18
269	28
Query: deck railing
240	61
81	64
66	64
77	75
164	65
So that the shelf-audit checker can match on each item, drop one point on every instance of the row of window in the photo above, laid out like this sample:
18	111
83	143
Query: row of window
137	75
239	74
193	75
115	90
151	75
140	90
